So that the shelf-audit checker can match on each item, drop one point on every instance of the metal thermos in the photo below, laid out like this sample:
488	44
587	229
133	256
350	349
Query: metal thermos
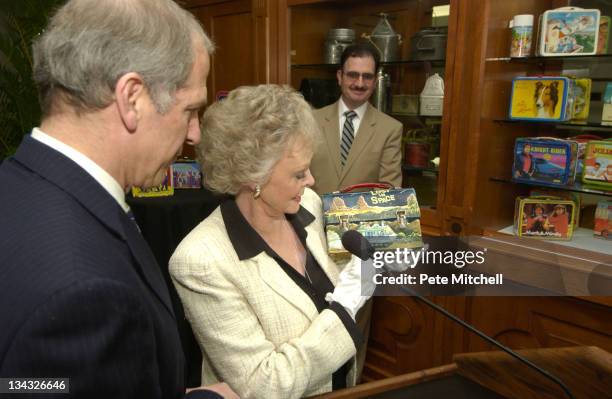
380	98
337	40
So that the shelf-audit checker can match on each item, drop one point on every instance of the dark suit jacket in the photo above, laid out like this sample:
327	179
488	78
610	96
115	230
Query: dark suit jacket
375	156
80	293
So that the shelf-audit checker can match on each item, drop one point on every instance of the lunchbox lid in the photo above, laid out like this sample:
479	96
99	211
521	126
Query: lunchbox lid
565	31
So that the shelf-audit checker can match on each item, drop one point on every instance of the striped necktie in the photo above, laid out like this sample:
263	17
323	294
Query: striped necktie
348	135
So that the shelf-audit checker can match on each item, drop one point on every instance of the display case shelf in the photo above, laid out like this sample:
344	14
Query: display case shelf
410	168
581	239
576	187
436	63
542	60
563	125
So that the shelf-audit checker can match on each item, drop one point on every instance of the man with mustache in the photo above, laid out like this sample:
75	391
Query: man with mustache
361	145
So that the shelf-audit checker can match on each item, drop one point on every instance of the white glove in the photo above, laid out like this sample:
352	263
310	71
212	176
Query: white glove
355	285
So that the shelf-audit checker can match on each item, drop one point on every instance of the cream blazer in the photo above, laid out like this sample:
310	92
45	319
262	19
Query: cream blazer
258	331
375	156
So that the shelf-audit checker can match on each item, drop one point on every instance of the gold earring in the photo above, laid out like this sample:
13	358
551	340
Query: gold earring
257	192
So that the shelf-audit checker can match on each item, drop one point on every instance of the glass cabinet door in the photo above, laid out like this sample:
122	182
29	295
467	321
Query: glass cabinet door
421	53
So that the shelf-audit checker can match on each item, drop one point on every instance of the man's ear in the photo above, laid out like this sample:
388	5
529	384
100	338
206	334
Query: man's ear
129	91
339	76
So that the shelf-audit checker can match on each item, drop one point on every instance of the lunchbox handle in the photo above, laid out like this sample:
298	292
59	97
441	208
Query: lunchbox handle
365	185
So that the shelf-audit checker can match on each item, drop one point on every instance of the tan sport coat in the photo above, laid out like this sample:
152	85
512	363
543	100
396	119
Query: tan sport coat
375	156
258	331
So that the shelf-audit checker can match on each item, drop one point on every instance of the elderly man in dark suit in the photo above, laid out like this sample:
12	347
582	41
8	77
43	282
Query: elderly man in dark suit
81	296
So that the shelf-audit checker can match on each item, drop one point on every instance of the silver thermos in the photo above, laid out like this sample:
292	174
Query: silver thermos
380	98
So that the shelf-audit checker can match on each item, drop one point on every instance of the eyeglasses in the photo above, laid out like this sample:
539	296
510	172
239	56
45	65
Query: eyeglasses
367	77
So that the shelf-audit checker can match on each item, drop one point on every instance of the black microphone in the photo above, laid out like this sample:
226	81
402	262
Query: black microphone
354	242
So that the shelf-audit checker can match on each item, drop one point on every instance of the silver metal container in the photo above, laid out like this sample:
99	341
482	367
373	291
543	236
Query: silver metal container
382	93
337	40
385	40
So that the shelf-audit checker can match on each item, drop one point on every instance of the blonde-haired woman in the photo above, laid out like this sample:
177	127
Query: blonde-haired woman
272	313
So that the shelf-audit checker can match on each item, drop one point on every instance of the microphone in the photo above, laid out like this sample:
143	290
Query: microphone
354	242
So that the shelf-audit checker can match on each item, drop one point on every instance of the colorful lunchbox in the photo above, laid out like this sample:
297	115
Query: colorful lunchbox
387	218
582	140
166	188
603	220
604	35
187	174
582	99
598	164
542	98
568	31
606	113
544	217
545	161
560	194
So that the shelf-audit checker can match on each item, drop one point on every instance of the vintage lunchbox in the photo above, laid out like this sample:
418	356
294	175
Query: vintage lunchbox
598	164
187	174
582	140
544	217
166	188
388	218
568	31
542	98
606	113
582	99
604	35
545	161
603	220
560	194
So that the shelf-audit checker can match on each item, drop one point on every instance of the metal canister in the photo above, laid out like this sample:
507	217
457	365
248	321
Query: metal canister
380	98
385	39
337	40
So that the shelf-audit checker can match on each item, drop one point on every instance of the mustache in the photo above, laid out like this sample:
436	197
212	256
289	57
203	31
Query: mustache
359	88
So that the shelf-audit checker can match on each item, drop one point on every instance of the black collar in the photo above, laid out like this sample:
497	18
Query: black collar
246	241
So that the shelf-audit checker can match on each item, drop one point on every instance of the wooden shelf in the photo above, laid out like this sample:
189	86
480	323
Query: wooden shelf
576	187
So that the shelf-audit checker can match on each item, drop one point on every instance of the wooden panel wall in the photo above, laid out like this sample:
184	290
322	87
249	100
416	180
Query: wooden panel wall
408	336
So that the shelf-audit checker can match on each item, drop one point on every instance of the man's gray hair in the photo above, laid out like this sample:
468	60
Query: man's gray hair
89	44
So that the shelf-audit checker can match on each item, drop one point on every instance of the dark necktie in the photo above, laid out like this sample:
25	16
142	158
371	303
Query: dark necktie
130	214
348	135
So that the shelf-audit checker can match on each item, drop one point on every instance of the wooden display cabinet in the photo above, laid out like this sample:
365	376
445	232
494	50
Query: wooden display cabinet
303	26
479	152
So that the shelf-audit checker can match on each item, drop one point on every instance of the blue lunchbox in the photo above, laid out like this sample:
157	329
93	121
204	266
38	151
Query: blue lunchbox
545	161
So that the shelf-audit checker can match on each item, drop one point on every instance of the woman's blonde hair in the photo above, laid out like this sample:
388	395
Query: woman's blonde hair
246	134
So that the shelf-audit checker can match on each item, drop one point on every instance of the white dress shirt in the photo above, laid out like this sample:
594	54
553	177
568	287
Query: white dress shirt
360	111
100	175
